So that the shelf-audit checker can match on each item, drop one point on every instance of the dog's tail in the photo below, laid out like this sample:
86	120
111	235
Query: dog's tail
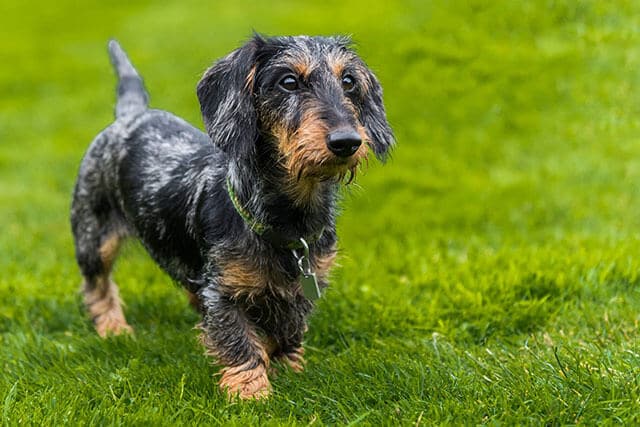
132	96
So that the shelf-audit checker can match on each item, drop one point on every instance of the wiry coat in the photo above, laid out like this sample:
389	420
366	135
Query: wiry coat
154	176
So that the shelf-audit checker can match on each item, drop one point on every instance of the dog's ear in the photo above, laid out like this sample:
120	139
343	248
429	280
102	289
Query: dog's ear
225	93
374	119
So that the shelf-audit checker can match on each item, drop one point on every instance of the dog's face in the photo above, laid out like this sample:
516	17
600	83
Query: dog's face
312	99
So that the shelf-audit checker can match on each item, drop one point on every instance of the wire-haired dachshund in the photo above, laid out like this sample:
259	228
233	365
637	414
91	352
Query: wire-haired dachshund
242	216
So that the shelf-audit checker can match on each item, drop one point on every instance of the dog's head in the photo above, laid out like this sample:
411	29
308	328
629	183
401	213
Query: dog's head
310	98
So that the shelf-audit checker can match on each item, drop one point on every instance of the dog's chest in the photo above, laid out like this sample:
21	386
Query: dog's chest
248	278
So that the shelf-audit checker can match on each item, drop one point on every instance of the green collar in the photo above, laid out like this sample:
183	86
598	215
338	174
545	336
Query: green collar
265	230
257	227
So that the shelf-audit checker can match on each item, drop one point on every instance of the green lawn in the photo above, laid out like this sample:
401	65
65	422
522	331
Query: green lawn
490	273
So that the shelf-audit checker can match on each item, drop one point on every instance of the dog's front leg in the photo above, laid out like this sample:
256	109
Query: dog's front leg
232	339
288	330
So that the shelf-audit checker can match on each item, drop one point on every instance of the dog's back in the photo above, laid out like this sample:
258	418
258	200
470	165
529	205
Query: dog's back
133	176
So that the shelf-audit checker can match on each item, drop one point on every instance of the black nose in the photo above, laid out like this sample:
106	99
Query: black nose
343	142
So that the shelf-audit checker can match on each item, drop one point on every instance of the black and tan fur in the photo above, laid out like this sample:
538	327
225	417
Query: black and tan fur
288	120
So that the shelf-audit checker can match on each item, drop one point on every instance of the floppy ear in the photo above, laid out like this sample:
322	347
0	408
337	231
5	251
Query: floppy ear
225	95
374	119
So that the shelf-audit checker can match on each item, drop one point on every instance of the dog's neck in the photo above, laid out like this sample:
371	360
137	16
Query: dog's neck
265	193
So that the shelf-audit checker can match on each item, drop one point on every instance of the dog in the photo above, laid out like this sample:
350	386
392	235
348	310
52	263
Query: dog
244	216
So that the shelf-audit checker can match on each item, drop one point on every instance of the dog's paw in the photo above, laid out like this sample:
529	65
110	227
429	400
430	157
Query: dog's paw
245	383
294	359
112	323
105	308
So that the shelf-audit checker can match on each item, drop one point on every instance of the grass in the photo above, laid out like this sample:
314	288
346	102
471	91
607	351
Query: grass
490	273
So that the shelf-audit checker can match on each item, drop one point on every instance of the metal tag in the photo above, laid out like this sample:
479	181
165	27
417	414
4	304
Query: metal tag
308	279
310	287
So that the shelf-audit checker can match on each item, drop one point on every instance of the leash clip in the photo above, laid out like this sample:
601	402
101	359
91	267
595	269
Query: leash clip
308	280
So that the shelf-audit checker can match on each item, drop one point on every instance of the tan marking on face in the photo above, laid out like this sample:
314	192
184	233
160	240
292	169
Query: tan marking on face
307	160
302	68
362	153
283	140
337	61
304	156
307	145
337	70
363	150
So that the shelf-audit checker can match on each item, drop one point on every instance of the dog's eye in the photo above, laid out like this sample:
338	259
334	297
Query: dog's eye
289	83
348	83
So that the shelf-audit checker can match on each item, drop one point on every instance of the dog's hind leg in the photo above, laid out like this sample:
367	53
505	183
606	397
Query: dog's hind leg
97	239
101	296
